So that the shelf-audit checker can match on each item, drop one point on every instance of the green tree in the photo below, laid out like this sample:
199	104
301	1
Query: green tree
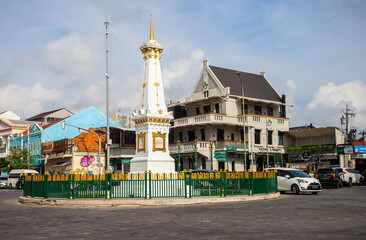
3	163
18	158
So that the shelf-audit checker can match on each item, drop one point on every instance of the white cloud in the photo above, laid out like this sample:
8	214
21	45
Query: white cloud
330	99
72	54
181	67
26	101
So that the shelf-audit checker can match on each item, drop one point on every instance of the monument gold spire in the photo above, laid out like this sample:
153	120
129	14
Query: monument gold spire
151	30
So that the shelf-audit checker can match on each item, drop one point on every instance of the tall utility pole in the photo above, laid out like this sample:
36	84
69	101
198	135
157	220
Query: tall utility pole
106	24
345	119
363	133
242	91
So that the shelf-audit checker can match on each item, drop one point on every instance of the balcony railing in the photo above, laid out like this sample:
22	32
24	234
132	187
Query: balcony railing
205	118
222	144
188	147
122	151
212	118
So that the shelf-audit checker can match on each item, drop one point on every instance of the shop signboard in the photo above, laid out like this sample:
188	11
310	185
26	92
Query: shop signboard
221	156
60	145
306	156
54	146
126	161
345	149
47	147
359	149
232	149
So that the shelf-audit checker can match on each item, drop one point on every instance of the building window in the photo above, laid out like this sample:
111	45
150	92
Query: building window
217	108
270	111
205	93
257	136
180	136
203	136
233	166
270	133
191	136
232	136
280	138
206	109
220	134
245	109
197	110
258	110
203	163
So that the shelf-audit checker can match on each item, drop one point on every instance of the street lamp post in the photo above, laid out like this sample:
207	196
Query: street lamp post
106	24
242	91
211	150
268	123
179	149
195	153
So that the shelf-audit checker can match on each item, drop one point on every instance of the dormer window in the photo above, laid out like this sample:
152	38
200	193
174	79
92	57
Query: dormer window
205	94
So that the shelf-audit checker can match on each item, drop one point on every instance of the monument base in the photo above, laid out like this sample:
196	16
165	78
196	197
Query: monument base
155	164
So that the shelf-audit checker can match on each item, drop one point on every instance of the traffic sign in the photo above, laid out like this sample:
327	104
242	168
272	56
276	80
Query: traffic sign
221	156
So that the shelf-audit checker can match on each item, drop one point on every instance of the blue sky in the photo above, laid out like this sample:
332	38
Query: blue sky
53	52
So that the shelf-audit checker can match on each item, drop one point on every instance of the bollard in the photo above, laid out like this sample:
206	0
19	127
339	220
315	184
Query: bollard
45	193
266	181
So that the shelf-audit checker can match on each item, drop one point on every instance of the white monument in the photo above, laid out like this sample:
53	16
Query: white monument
152	120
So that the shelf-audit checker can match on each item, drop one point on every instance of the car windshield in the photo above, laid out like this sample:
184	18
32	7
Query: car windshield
298	174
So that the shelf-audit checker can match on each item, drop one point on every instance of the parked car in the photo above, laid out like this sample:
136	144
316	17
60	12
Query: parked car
15	174
329	176
3	181
296	181
349	176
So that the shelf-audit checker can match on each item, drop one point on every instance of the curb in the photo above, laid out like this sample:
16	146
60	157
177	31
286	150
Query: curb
142	202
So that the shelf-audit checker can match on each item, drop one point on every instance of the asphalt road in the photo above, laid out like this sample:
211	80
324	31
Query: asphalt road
332	214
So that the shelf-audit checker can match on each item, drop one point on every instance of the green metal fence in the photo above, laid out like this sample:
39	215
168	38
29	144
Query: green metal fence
128	185
148	185
167	185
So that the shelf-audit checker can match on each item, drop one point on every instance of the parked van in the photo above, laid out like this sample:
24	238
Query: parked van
15	174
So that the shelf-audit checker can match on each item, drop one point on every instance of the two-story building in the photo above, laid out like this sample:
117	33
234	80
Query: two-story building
214	111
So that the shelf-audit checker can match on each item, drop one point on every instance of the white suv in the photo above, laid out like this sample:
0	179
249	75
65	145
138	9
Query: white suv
349	176
296	181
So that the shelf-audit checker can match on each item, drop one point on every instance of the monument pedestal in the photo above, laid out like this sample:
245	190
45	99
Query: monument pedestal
154	164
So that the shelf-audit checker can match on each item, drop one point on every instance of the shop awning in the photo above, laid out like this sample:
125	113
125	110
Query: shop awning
61	164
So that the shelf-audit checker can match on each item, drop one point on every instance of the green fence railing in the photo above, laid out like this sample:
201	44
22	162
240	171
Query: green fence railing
148	185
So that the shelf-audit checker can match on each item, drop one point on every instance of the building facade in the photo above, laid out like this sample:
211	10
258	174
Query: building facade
311	147
214	111
51	116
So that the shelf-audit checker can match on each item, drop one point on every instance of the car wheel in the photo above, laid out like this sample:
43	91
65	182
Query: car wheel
295	189
350	182
282	192
314	193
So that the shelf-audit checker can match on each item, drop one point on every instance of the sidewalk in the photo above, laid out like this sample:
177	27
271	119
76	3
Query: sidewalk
142	202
